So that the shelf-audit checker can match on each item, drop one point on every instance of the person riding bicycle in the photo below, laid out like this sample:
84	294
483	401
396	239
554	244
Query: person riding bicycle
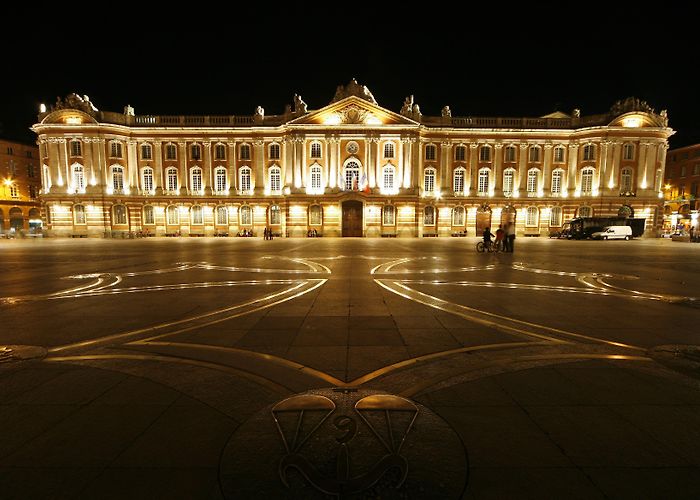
487	237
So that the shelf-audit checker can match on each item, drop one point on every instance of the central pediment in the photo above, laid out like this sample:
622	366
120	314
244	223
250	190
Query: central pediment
353	110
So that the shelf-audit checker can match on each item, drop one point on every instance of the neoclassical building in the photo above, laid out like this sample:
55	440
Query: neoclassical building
351	168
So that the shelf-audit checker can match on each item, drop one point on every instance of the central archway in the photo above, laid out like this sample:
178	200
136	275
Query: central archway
352	218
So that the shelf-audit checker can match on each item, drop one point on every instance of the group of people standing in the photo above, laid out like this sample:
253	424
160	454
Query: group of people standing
505	237
267	233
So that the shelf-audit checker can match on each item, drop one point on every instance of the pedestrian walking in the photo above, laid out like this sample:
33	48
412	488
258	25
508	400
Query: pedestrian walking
511	237
499	238
506	238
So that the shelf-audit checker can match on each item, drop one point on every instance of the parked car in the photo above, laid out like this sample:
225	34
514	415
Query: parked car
613	233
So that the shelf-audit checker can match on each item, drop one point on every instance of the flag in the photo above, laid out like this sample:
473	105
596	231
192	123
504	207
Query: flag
354	183
364	185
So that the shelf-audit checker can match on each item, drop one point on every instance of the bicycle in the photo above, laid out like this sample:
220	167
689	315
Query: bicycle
482	247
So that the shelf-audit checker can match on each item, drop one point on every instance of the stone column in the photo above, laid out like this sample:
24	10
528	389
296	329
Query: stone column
472	177
650	166
184	175
297	161
420	167
98	155
304	163
497	169
445	162
663	148
258	181
333	143
613	166
602	165
207	170
572	167
641	164
232	170
547	170
373	155
132	167
521	185
158	170
65	167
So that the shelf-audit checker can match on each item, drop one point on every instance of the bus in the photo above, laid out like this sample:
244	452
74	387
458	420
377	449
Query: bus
581	228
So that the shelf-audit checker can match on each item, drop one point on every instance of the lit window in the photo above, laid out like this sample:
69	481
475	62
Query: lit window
275	180
315	215
173	215
429	216
246	215
585	211
559	154
483	186
587	181
79	214
555	217
76	148
626	180
388	215
118	179
429	180
389	150
430	152
197	215
532	180
221	216
274	151
245	179
196	174
458	216
315	150
352	176
220	179
171	175
388	174
78	179
458	181
589	152
148	179
628	152
531	217
557	176
14	191
508	181
119	213
316	179
149	215
275	215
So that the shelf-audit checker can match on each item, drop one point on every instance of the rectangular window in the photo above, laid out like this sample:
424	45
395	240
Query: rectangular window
588	152
30	171
196	152
275	180
29	154
116	150
460	153
245	152
316	179
274	151
146	152
483	182
628	152
556	182
315	215
221	216
429	181
76	148
388	215
220	180
508	177
510	154
79	214
558	155
148	215
148	180
220	152
683	171
388	150
485	153
430	152
459	181
315	150
170	152
696	170
32	191
14	192
197	217
534	154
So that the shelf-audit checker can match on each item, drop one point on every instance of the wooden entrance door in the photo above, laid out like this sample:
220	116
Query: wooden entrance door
352	218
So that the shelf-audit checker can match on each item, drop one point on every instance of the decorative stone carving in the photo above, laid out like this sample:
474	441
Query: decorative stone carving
577	113
664	117
353	89
300	106
259	115
446	112
74	101
630	104
407	108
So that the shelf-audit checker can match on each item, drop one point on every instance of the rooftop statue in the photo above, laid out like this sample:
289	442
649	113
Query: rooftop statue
74	101
299	104
630	104
353	88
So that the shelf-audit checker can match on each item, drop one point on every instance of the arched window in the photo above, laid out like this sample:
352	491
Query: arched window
274	151
78	178
118	179
557	177
221	215
275	218
146	152
315	215
460	153
585	211
559	154
626	180
245	152
429	216
195	152
119	215
170	151
532	216
197	215
485	153
458	181
244	181
171	175
220	152
76	148
388	150
115	149
352	175
483	185
149	217
196	180
388	215
173	215
246	214
429	180
79	214
458	216
555	217
388	175
220	179
587	180
275	180
316	183
535	154
628	151
508	181
589	152
147	179
510	154
533	176
316	150
430	152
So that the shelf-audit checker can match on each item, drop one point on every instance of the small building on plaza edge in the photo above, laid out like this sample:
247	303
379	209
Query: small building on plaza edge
350	168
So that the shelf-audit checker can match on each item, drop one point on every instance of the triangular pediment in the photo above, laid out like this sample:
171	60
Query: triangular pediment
353	111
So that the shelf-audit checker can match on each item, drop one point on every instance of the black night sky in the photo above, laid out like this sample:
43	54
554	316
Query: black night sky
497	61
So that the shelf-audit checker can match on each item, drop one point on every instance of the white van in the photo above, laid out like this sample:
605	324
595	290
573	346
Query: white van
613	233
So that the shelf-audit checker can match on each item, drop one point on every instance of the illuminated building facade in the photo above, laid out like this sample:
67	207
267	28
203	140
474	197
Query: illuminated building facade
682	189
20	186
351	168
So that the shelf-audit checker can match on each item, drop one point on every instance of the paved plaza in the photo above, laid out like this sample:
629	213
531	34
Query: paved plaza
318	368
